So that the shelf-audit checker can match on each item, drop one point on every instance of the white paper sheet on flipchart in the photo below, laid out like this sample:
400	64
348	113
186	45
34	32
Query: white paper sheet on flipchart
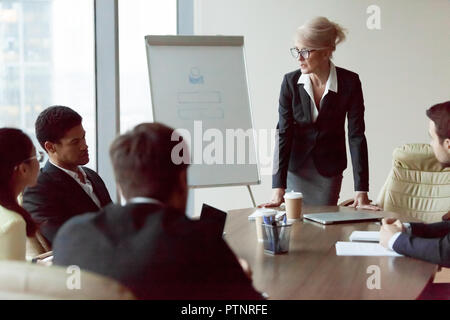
344	248
370	236
198	84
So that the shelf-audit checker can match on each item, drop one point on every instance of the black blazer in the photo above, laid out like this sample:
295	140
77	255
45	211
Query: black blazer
325	139
155	251
429	242
57	197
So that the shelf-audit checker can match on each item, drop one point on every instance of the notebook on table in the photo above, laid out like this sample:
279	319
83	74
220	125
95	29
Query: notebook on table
365	236
363	249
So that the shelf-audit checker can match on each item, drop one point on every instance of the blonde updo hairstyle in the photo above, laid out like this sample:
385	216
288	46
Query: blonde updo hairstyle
320	33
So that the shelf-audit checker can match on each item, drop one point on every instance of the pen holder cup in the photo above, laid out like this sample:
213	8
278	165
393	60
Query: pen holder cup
276	238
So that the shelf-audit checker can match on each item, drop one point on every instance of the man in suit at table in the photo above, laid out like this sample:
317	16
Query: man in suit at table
64	188
429	242
149	245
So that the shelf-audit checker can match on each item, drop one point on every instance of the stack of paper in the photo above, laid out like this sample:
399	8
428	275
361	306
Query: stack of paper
370	236
254	214
363	249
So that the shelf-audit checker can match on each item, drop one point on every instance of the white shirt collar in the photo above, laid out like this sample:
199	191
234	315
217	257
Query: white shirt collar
86	186
331	84
144	200
71	173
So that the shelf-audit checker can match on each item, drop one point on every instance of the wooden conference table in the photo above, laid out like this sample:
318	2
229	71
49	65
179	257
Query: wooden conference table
312	270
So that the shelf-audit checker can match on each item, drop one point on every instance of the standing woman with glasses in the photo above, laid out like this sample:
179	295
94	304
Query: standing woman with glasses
310	155
19	168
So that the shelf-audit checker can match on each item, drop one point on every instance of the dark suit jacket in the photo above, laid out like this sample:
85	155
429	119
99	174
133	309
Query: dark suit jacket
429	242
325	139
155	251
57	197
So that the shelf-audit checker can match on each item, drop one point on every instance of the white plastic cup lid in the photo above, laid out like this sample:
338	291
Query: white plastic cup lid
293	195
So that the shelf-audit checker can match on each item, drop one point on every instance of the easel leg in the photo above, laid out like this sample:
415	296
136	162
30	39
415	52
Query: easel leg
251	196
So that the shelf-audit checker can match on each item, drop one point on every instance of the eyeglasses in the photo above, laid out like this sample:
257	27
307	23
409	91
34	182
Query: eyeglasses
39	157
304	53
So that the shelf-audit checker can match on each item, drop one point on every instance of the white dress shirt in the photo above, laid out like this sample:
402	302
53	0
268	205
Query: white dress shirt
331	85
87	187
144	200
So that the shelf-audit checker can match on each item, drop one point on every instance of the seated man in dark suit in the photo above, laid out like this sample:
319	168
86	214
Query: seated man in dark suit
429	242
64	188
149	244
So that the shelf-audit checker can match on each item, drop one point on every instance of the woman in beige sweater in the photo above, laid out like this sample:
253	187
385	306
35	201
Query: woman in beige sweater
19	168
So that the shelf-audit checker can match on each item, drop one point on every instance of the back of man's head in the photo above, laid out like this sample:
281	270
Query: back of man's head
53	123
439	115
143	164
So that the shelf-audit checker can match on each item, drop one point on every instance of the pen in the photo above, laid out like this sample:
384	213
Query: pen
282	232
284	219
267	223
275	236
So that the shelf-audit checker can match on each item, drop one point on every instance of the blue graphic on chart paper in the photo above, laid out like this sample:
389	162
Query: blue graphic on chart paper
195	77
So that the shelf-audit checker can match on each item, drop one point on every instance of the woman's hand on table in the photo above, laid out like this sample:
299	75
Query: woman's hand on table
277	199
361	201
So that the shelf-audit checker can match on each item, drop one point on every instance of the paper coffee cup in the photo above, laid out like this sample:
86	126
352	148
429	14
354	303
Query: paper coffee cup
263	212
293	201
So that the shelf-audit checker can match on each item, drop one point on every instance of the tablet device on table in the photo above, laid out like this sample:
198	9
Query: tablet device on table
214	217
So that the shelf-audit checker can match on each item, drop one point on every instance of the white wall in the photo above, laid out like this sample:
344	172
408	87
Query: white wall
404	68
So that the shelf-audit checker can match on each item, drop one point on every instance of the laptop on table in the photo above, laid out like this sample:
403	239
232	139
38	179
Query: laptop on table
343	217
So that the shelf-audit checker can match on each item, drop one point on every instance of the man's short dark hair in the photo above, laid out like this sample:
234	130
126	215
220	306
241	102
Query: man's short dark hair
440	115
142	161
53	123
